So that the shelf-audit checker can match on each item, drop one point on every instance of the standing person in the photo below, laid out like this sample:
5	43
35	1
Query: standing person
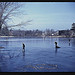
23	47
69	41
56	45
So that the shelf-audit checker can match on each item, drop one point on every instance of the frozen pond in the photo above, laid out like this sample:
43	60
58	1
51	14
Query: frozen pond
40	55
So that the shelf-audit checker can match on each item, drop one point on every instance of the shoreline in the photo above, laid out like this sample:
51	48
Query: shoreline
39	36
6	36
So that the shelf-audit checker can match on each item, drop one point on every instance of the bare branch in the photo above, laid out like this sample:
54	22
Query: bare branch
21	24
7	9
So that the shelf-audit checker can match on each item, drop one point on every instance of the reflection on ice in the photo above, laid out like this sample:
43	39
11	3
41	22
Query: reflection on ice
55	50
23	53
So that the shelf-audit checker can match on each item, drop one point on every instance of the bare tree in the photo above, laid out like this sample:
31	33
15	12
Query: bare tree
8	9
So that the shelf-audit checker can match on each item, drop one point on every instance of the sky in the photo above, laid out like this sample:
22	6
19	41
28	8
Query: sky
47	15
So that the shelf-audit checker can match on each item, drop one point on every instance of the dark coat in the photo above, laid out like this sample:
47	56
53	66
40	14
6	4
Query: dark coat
23	46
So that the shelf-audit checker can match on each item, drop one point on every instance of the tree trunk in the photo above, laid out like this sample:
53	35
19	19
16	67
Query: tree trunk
0	26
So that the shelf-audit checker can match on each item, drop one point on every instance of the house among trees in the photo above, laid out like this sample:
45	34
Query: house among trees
65	33
68	33
73	30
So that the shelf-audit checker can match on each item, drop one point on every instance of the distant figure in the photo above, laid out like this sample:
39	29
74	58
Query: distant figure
69	42
23	47
56	45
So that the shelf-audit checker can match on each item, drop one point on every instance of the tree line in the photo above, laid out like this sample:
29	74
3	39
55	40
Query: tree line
29	33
